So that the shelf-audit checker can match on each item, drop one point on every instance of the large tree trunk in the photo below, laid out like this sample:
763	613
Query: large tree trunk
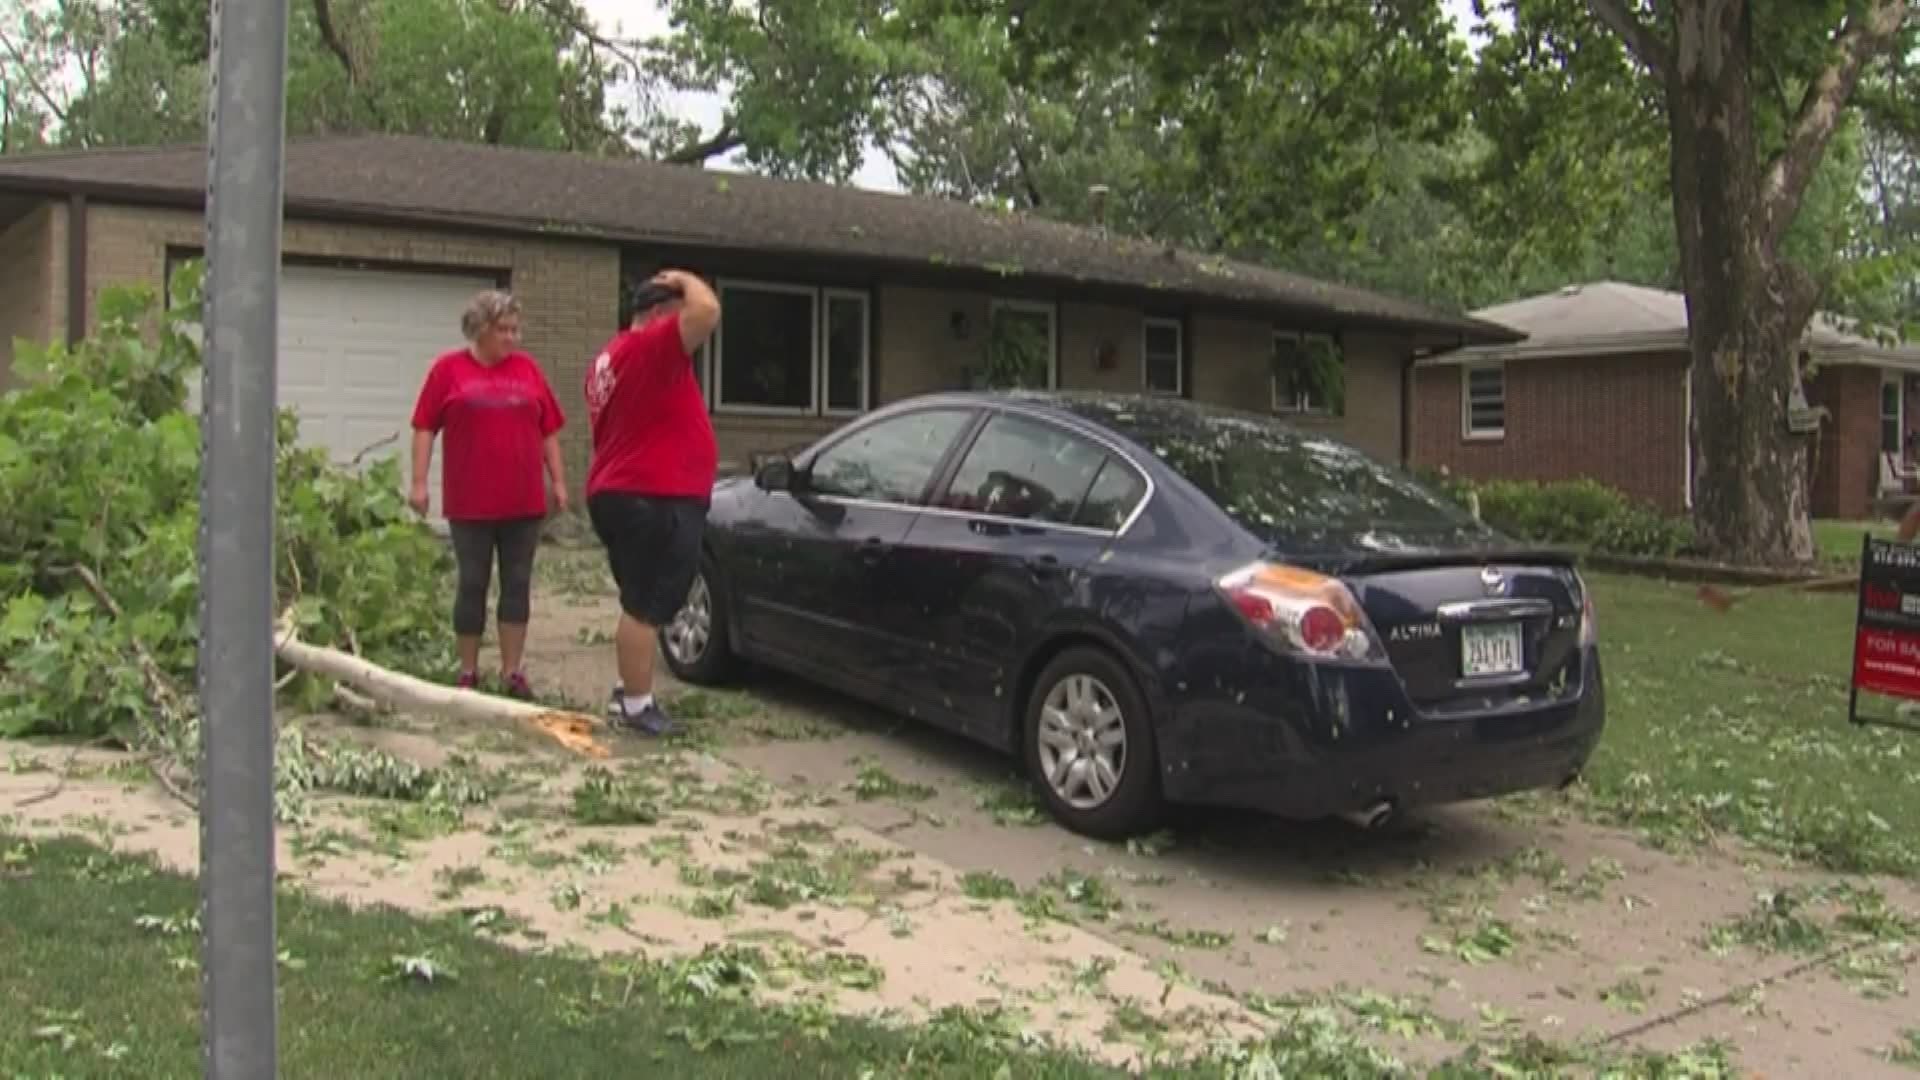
1746	306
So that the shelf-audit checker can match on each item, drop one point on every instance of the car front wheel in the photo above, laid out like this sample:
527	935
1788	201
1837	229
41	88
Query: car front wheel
696	643
1089	746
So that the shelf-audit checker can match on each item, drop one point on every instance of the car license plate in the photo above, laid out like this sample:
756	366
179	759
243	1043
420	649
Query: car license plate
1489	649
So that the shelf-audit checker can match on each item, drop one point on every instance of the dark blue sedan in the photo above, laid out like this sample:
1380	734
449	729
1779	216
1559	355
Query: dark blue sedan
1153	601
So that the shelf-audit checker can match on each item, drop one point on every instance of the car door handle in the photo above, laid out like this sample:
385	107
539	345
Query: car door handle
871	549
1043	566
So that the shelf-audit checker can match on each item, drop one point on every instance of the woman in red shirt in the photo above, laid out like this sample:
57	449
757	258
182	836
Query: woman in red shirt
498	417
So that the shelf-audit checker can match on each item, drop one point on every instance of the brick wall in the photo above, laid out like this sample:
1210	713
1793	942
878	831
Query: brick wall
567	288
1620	420
1846	465
28	250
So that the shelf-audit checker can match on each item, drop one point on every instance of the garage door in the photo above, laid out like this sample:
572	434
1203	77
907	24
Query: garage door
355	345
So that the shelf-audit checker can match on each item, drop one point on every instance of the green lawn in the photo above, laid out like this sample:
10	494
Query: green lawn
1736	722
1838	542
100	979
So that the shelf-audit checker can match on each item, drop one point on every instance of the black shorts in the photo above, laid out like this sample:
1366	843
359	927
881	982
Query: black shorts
653	548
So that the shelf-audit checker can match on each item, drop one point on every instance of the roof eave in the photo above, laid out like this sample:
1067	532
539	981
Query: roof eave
1558	348
1462	328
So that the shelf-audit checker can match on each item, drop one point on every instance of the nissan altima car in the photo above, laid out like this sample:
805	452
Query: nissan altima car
1151	601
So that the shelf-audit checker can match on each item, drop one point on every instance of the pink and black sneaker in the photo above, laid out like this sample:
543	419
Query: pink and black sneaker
469	680
519	687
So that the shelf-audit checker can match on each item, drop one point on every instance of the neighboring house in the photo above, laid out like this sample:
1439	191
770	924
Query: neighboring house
836	299
1598	389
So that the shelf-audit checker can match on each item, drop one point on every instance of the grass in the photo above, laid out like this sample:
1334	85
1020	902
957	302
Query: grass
1736	723
102	952
1837	543
103	980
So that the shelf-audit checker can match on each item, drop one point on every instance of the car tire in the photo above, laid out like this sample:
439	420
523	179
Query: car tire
698	644
1081	687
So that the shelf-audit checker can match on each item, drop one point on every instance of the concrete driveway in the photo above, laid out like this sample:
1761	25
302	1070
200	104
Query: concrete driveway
1513	917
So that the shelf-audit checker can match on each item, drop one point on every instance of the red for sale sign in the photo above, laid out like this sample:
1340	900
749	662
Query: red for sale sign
1886	628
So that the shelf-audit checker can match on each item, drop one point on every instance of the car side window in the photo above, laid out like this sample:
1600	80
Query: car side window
1114	494
1025	469
888	461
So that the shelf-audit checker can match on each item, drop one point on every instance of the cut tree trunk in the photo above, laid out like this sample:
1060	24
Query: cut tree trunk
1746	306
404	693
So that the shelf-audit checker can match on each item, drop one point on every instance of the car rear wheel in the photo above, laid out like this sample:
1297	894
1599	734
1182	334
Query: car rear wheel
696	644
1089	746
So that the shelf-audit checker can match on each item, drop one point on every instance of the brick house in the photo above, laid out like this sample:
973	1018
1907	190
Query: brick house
1598	389
835	299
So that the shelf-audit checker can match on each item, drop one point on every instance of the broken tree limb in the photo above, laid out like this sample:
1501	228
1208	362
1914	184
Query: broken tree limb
165	697
405	693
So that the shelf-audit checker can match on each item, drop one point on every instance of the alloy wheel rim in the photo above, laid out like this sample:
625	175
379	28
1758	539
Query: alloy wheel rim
1083	741
692	626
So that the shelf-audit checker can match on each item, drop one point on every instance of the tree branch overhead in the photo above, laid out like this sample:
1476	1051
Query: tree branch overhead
1792	169
1641	40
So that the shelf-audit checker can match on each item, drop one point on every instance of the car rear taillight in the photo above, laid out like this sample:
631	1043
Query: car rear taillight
1301	612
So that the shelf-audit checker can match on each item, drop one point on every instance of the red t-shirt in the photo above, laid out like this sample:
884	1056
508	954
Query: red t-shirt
651	435
492	421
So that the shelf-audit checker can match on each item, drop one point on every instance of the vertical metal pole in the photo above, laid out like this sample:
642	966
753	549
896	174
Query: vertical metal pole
246	141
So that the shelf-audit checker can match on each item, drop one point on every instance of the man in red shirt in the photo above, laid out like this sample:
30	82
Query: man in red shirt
651	479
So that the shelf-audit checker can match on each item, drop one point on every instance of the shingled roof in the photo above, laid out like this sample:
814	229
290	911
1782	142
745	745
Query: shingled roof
405	179
1614	318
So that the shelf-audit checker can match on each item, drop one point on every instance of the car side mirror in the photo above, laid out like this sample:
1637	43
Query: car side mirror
774	473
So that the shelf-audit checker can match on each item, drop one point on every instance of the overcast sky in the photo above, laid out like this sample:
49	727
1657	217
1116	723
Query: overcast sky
644	18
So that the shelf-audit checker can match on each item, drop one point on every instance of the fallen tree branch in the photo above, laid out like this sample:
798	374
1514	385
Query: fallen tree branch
165	697
371	447
404	693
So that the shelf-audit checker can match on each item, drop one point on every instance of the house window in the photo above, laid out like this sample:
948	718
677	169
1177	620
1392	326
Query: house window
1020	346
1161	357
1308	374
789	349
1483	392
1891	414
845	363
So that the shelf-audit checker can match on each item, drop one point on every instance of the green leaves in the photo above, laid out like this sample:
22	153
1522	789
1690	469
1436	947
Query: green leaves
100	469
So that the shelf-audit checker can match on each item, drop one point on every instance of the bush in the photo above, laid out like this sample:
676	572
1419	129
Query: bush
1581	513
100	476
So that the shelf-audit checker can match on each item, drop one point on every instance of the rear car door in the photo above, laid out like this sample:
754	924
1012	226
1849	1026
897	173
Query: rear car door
816	593
998	553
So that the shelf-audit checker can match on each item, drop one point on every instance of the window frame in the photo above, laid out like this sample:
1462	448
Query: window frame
963	438
1032	307
1179	328
1112	449
1303	404
824	364
818	297
1892	380
1467	431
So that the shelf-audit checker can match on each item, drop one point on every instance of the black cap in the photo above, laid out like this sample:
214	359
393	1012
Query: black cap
649	293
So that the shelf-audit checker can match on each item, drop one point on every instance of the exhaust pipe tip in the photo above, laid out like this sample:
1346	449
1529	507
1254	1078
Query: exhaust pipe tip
1372	818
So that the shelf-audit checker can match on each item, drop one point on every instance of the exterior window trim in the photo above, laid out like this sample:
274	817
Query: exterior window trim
1179	329
818	298
1034	307
1467	430
825	365
1302	405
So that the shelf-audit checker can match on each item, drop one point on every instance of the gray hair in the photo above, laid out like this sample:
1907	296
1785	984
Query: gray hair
487	307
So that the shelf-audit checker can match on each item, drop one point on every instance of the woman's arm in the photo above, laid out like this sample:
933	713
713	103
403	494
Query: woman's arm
556	469
422	460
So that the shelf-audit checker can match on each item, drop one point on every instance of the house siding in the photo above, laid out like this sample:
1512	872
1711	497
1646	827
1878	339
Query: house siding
1845	467
1618	420
570	293
33	251
565	287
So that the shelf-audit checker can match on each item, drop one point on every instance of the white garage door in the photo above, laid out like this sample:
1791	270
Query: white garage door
355	346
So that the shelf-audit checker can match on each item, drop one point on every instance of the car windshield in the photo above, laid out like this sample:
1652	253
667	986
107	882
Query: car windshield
1294	488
